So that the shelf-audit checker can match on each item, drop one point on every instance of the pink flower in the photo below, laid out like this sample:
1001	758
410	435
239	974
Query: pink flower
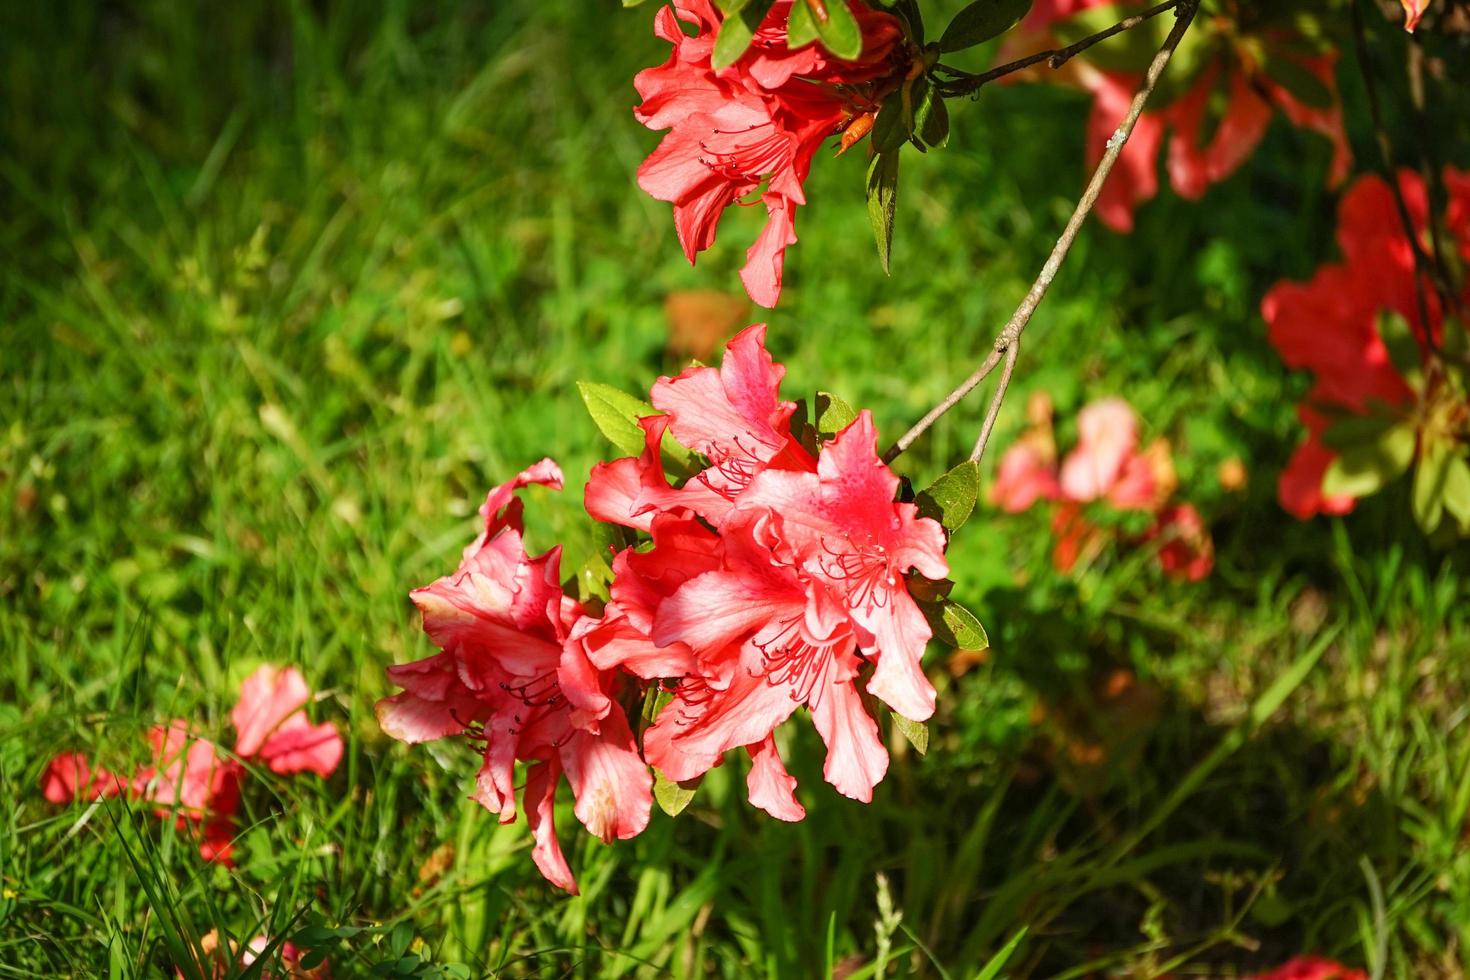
1106	466
1312	968
1413	11
514	674
1329	324
810	586
732	415
1025	476
1107	434
753	127
269	723
69	777
191	779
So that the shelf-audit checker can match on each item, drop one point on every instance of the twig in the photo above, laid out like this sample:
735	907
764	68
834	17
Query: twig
967	84
1422	266
1011	333
1000	393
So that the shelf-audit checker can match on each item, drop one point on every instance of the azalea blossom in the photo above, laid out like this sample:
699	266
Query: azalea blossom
512	675
1107	466
732	415
750	131
1330	326
192	779
1203	144
810	590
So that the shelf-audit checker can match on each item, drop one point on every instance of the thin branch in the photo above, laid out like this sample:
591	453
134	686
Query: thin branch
1422	266
1011	333
967	84
1000	395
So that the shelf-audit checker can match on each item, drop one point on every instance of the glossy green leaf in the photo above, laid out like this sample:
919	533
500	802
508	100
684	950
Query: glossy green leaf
954	625
831	22
981	21
833	415
892	126
737	31
672	797
1368	467
616	414
951	499
883	201
931	118
917	732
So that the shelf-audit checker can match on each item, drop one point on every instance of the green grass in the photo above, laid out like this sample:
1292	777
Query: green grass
284	292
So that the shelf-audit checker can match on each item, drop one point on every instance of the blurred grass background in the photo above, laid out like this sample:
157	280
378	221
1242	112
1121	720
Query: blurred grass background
286	288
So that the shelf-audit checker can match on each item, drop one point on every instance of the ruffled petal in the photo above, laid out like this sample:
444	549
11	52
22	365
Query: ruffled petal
770	786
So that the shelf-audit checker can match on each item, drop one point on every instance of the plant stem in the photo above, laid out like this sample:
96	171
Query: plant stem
967	84
1011	333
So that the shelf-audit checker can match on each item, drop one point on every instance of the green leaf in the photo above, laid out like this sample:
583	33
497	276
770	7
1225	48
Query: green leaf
1368	467
1457	489
981	21
1403	348
1299	81
1356	430
1000	959
883	200
400	939
951	499
891	127
829	20
916	732
801	26
954	625
672	797
741	21
1430	478
833	415
616	414
931	118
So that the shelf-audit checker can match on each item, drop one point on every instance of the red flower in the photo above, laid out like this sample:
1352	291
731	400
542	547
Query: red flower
732	415
1329	324
1106	466
810	586
514	673
1413	11
753	127
269	723
1312	968
1203	148
192	779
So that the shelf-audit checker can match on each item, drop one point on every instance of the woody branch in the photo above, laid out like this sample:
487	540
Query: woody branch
1007	341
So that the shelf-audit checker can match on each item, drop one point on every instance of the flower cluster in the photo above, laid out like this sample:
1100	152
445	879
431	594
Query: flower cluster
192	780
773	578
1236	77
1106	468
753	127
1389	381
